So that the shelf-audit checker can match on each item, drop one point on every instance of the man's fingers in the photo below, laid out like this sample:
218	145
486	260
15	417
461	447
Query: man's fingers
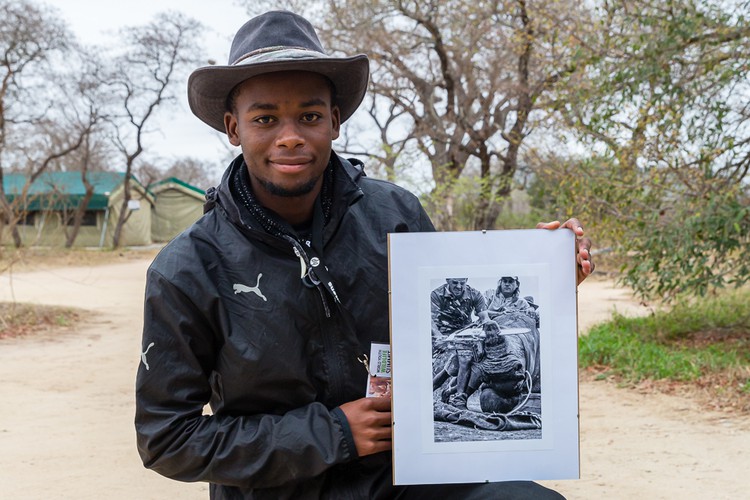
548	225
380	433
583	252
584	248
572	223
575	225
376	447
378	404
370	424
585	264
375	419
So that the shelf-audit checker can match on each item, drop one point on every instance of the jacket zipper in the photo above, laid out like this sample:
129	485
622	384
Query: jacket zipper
333	354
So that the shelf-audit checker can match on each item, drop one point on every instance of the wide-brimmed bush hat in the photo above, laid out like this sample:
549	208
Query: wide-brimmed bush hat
276	41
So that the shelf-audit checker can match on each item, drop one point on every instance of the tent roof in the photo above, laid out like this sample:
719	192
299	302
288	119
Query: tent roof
175	183
58	190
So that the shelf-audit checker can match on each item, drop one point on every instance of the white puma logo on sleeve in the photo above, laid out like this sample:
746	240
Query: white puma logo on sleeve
143	355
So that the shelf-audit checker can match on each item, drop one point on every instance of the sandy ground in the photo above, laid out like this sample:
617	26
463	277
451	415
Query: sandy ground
66	429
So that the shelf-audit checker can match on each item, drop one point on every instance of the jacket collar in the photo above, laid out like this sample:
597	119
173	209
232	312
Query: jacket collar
346	192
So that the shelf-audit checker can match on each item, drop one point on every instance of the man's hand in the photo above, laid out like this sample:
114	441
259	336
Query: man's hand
370	423
583	246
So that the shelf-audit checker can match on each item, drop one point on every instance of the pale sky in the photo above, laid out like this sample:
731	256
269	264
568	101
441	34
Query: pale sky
180	133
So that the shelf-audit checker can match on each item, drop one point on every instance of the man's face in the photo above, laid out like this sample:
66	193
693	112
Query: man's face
285	123
456	286
507	286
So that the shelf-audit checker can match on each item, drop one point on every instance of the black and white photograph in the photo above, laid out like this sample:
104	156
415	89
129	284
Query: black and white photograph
486	358
484	361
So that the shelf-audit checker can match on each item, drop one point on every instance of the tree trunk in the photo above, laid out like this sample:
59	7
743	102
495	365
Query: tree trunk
78	217
487	213
7	212
121	220
16	236
124	212
84	205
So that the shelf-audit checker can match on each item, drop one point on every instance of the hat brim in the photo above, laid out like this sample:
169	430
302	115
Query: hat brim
209	86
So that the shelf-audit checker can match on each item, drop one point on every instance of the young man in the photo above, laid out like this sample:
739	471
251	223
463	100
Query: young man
264	307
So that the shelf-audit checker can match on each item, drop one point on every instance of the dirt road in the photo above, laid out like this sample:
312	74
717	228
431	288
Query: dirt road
66	429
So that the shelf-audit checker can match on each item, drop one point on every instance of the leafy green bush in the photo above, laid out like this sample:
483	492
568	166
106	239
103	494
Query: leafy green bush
691	340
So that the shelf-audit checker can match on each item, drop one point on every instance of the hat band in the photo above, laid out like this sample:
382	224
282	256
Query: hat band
268	50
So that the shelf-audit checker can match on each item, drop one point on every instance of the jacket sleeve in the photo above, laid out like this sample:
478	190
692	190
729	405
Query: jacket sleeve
176	438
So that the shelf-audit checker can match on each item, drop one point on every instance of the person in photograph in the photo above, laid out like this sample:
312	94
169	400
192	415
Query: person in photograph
265	306
506	299
535	306
496	358
455	305
505	373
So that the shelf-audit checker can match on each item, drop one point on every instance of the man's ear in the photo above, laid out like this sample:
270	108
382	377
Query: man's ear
230	125
335	122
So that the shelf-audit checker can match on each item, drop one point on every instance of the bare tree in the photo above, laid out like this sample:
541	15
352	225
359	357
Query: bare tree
67	130
92	157
392	147
142	79
30	36
471	75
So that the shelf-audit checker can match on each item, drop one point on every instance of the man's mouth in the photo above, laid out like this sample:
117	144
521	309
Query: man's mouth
290	165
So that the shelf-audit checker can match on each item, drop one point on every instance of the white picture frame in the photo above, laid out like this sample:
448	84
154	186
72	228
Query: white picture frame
429	446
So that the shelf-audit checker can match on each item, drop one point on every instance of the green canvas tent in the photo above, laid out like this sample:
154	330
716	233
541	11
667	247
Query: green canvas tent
177	206
47	209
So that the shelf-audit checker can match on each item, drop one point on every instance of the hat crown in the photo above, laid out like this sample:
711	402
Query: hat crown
275	30
273	42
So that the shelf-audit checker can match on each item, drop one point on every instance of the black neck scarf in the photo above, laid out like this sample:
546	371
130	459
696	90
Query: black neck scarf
270	221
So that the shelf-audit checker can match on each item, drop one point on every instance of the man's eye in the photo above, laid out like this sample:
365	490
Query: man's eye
310	117
263	120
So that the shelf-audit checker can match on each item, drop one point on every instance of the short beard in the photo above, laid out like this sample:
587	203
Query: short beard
277	190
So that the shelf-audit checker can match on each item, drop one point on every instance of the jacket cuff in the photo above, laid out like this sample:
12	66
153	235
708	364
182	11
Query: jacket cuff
350	448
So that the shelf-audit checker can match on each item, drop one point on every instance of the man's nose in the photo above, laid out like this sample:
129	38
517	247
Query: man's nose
289	135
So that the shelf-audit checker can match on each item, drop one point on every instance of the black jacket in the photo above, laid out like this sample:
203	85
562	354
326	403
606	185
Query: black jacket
229	322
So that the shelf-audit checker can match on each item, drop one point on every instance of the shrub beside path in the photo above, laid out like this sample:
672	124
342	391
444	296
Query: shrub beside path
66	429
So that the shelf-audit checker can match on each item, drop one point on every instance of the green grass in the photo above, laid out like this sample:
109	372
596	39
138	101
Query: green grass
705	343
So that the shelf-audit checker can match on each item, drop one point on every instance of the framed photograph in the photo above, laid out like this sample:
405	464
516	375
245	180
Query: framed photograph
484	365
